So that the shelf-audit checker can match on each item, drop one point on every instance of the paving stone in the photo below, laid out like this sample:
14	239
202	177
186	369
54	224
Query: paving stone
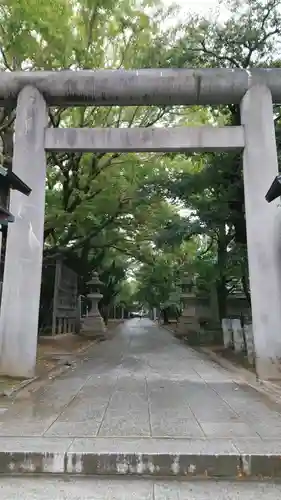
34	444
217	491
124	426
127	403
75	489
258	446
267	430
32	414
176	427
227	430
36	488
27	429
82	414
144	392
153	446
169	414
220	416
72	429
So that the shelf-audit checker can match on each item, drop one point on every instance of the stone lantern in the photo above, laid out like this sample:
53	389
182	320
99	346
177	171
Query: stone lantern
188	323
93	325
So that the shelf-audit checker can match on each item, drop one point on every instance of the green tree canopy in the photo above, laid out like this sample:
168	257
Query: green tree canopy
111	212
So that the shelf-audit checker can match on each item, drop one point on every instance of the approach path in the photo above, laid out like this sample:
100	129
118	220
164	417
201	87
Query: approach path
142	391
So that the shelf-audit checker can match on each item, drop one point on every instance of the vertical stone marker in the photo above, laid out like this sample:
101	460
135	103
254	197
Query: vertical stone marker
263	229
23	264
238	338
226	324
248	332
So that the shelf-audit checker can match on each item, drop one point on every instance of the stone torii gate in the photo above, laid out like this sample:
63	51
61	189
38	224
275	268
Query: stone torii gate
32	92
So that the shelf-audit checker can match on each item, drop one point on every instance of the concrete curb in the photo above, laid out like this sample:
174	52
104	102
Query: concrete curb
188	466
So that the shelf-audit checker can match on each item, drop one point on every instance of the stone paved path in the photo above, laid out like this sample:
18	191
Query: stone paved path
93	489
143	386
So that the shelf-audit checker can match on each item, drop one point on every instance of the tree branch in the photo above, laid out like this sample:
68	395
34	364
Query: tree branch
5	59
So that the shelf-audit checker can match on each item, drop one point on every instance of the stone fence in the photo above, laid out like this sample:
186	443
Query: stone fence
236	306
199	323
239	337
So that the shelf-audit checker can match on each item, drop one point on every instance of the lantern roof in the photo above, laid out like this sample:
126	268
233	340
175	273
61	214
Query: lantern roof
95	280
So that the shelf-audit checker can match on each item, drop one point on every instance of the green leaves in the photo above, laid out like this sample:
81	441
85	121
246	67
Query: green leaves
30	32
117	210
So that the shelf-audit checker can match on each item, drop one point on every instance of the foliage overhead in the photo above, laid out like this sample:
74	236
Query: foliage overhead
120	213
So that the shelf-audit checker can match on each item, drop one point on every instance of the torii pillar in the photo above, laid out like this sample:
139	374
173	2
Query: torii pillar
263	221
23	263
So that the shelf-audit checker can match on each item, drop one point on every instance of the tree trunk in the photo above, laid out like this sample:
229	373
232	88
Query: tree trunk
165	316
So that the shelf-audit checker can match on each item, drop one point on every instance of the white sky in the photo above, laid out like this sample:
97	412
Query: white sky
203	7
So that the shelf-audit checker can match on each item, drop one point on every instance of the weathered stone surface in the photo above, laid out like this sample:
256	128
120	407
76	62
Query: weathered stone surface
23	261
263	246
159	463
227	332
113	414
238	338
216	490
93	326
249	337
141	87
74	488
145	139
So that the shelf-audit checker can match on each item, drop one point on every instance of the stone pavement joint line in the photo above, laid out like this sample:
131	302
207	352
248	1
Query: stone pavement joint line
143	404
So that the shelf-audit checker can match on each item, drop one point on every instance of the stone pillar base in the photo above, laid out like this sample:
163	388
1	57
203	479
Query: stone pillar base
188	327
214	332
93	327
268	369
